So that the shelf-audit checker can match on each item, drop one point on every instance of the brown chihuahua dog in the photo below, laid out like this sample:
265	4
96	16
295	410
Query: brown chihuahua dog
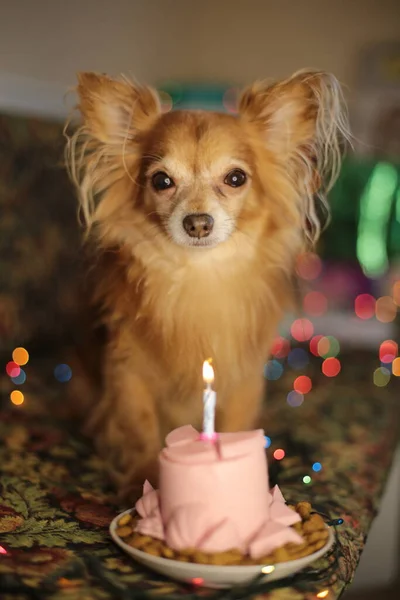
196	219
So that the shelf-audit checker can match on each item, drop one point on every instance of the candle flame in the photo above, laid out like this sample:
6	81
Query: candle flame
208	372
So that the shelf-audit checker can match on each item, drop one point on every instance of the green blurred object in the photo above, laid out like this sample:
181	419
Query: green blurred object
365	205
217	97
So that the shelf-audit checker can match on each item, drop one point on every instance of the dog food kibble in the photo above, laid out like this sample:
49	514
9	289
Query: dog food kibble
167	552
312	528
304	509
152	550
141	541
318	545
314	523
315	537
125	520
124	532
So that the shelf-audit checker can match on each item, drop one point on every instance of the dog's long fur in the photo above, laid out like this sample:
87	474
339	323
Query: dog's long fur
167	301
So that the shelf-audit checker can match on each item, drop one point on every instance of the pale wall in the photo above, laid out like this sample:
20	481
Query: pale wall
232	40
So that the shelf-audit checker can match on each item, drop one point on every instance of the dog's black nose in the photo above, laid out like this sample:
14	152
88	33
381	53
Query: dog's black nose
198	226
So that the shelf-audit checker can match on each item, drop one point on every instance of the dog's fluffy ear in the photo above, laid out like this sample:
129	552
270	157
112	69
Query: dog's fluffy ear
303	122
113	110
106	147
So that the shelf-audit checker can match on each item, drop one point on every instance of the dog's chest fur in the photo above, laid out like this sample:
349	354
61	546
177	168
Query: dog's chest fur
217	304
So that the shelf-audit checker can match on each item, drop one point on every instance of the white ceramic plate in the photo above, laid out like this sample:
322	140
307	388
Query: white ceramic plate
213	575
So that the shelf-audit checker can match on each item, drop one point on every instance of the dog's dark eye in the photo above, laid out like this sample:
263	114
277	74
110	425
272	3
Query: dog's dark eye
161	181
236	178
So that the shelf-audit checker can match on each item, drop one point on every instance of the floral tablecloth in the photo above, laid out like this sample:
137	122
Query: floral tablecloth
56	504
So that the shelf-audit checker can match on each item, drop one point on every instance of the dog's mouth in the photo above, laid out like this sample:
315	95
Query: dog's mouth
201	243
185	241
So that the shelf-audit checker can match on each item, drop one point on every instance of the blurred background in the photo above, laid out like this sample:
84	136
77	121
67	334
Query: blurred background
199	54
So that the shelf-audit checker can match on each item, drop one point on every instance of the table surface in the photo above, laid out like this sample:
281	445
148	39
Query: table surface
56	505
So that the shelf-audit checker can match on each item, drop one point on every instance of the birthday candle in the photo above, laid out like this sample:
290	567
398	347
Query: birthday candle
209	401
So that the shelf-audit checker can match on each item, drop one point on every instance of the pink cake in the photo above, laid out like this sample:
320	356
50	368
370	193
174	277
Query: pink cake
214	496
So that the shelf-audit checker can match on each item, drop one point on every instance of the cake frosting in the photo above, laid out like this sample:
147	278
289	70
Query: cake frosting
214	496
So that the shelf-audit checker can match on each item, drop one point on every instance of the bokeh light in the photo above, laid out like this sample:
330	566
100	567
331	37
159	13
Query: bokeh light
302	330
230	100
298	359
331	367
323	346
307	479
63	373
273	370
323	594
396	293
279	454
295	399
317	467
396	367
315	304
17	397
364	306
12	369
3	550
268	569
166	101
197	581
267	441
385	309
280	347
387	366
381	376
20	356
309	266
302	384
388	351
328	347
19	379
314	344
